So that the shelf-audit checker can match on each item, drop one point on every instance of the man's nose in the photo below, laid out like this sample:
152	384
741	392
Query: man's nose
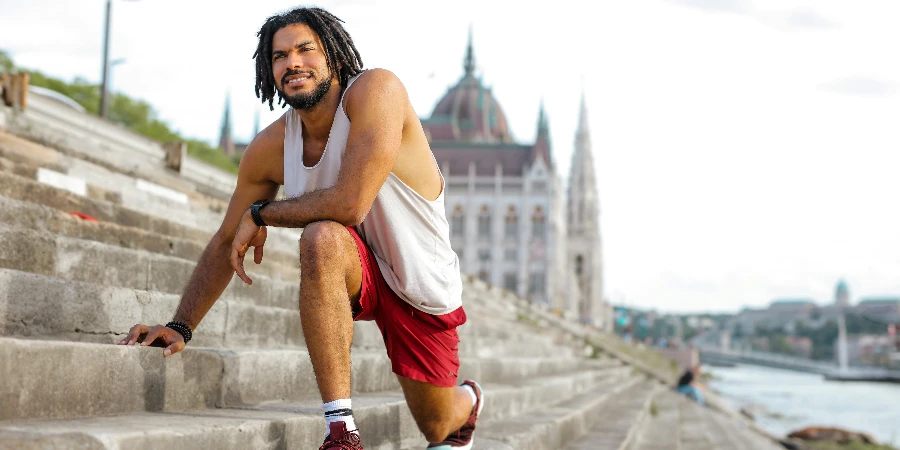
294	60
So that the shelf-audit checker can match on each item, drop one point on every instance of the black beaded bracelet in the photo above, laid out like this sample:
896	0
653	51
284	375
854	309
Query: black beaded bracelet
182	329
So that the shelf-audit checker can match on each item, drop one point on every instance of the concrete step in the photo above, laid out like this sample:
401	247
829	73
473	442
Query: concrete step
382	417
130	189
44	253
704	428
556	426
52	225
27	190
618	426
661	431
80	379
33	216
40	306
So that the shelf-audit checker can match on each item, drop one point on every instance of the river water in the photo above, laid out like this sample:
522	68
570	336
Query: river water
784	401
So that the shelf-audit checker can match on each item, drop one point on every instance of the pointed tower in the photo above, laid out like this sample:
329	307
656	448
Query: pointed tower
256	123
584	244
541	147
469	64
226	141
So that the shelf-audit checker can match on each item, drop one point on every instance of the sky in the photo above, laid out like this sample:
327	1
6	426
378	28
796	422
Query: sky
747	150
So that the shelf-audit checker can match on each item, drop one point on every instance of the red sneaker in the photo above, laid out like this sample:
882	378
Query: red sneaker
339	439
463	438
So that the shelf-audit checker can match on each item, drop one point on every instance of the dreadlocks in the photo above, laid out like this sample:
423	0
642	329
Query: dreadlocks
342	56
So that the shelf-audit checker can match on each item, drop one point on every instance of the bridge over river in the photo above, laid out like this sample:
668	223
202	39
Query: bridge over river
831	370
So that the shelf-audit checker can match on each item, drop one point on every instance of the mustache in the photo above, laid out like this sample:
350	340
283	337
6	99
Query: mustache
296	72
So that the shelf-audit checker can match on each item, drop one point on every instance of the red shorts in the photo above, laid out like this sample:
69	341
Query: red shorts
421	346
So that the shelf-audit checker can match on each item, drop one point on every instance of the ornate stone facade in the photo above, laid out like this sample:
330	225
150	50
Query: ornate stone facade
511	222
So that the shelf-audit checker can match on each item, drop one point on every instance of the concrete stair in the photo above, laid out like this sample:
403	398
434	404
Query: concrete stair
70	288
681	424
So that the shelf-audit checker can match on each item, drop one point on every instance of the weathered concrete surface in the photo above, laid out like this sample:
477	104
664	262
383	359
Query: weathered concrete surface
682	424
52	379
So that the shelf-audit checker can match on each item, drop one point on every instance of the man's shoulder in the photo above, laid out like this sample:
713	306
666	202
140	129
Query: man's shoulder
373	83
266	148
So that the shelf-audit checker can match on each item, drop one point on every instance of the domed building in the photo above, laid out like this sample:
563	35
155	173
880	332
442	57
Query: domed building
507	207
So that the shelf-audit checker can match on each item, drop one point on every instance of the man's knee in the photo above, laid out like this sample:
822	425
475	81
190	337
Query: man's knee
321	241
435	430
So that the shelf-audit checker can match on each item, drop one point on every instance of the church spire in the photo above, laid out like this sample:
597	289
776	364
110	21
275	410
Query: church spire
583	195
543	128
585	248
226	141
469	65
542	142
583	133
256	123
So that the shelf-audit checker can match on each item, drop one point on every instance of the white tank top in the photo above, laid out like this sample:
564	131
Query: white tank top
408	234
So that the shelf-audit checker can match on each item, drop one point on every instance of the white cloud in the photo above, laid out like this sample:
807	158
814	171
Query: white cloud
861	86
732	6
808	18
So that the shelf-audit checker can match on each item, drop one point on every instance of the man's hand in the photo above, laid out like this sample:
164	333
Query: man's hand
172	339
248	235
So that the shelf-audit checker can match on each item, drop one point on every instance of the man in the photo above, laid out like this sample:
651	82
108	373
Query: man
689	384
361	180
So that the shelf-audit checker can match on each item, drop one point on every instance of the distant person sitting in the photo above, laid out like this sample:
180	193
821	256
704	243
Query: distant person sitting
689	384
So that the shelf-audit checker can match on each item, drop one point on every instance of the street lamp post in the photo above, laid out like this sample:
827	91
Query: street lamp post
103	88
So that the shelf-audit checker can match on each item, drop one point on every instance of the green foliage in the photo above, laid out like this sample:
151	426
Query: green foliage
780	344
211	155
6	63
654	411
136	115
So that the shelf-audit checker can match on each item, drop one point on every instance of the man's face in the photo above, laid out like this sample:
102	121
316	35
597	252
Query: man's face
299	66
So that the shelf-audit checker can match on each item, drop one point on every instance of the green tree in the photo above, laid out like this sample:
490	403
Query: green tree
6	63
780	344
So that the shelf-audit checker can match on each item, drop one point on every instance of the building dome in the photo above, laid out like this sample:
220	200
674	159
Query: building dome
842	287
468	111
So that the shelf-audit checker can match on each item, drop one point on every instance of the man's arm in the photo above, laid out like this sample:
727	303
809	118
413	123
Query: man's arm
213	271
376	105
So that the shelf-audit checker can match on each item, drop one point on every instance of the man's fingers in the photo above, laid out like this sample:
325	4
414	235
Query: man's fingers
174	348
258	254
133	334
237	263
152	335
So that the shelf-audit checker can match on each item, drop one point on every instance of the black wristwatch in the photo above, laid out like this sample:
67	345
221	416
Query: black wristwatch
254	212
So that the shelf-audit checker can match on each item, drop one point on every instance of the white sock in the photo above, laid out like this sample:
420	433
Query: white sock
339	411
471	392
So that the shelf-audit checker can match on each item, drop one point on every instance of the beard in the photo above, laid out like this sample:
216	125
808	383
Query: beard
305	100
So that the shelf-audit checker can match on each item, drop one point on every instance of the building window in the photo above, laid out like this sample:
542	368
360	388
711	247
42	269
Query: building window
458	225
536	283
511	229
579	265
484	223
537	224
458	222
511	282
484	255
511	254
